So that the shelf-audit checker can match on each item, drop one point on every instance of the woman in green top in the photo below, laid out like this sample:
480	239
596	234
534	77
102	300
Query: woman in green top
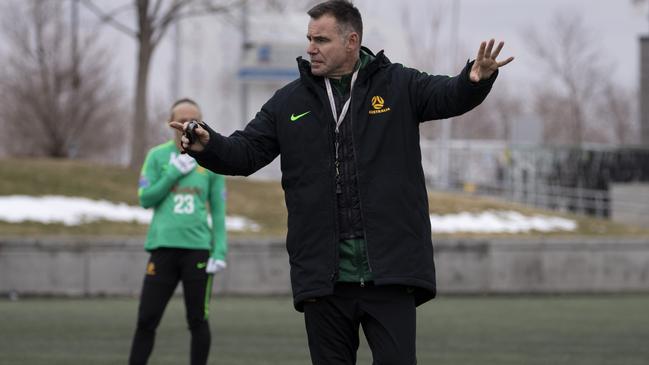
182	243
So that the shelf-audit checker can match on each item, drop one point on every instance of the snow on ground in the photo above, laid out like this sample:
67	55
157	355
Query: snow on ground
75	211
498	222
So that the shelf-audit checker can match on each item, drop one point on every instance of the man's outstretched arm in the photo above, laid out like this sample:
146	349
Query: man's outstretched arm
439	96
242	153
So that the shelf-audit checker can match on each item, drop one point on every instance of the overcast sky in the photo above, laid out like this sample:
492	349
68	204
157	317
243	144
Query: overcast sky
615	26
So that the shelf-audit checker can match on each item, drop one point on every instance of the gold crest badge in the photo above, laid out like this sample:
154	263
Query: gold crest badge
379	105
377	102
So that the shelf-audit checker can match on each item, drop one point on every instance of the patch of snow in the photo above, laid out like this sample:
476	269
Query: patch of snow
498	222
73	211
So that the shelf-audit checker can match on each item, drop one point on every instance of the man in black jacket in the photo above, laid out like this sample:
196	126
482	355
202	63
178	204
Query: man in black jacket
359	237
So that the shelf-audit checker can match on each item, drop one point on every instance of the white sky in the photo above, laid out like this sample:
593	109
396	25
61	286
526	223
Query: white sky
615	26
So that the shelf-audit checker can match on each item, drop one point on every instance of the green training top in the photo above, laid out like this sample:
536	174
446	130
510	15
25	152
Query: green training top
180	204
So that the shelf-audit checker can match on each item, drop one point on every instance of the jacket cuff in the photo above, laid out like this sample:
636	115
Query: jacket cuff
209	146
480	84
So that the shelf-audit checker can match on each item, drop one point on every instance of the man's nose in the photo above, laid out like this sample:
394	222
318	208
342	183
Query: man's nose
311	49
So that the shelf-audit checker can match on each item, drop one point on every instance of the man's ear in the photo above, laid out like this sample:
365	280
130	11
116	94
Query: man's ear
353	41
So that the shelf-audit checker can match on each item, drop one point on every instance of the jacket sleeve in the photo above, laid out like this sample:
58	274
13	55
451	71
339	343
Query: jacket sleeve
440	97
156	181
243	152
217	199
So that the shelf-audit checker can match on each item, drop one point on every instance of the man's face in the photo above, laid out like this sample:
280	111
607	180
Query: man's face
330	52
185	112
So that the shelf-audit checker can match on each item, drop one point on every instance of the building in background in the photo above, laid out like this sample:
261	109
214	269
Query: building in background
644	90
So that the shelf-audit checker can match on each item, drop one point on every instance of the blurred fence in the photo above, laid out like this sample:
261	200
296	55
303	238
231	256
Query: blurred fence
568	179
562	178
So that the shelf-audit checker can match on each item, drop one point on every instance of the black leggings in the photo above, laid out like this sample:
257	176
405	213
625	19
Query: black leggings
169	267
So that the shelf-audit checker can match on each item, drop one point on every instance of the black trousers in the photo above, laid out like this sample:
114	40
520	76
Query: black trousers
166	267
386	313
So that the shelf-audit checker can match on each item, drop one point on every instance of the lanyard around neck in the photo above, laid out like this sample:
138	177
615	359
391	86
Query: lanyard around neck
330	94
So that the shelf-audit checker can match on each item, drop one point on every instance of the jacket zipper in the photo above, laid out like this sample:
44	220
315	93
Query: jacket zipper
358	185
336	240
348	189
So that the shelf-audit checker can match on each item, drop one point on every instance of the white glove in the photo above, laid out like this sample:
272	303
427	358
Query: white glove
183	162
215	265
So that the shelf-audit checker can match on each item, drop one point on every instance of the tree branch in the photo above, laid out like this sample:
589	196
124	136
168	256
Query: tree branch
156	9
202	12
119	9
175	14
160	27
108	18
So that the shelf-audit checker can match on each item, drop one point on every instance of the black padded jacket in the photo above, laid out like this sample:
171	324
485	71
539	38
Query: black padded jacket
389	102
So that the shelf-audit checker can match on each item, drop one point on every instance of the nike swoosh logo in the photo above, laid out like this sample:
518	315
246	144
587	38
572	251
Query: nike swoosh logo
201	265
296	117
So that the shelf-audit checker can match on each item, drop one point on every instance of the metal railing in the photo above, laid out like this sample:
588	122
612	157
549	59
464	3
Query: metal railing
559	178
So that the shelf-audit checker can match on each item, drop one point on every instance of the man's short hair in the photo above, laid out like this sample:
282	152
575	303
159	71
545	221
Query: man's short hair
182	101
345	13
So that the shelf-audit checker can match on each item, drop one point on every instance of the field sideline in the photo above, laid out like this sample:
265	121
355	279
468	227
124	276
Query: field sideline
451	330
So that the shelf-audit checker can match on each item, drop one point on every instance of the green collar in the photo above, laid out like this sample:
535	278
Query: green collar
342	85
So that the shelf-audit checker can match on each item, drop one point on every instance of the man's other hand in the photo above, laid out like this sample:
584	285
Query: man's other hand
485	63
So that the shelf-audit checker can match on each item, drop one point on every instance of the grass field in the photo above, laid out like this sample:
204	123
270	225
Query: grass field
261	201
570	330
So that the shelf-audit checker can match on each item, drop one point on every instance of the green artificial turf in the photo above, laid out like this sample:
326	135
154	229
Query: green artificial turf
570	330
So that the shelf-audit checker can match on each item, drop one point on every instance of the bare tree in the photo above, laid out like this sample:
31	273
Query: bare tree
553	109
572	66
481	123
422	39
616	109
508	108
493	119
609	121
578	99
57	100
281	6
153	19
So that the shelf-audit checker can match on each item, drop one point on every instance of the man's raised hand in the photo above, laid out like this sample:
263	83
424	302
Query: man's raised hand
199	144
485	63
